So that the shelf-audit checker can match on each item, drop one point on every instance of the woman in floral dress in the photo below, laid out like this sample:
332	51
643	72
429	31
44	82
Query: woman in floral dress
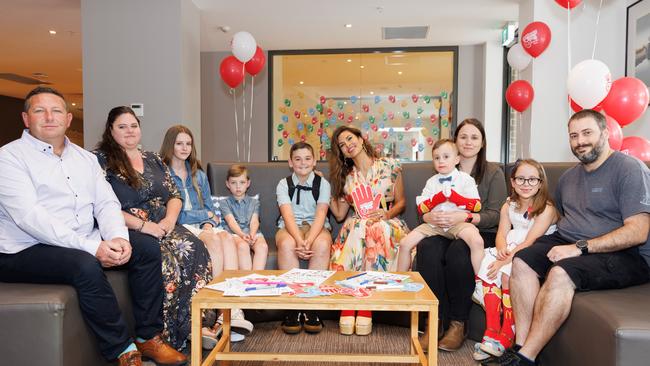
151	204
369	239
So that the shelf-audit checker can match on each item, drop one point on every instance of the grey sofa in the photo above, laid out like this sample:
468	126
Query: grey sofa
42	324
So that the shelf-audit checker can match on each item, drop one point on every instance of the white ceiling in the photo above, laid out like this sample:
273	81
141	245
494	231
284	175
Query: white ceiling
26	47
311	24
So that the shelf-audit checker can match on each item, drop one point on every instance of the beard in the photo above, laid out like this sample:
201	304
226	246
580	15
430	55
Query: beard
591	155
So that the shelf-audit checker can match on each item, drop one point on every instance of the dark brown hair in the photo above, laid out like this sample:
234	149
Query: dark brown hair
300	145
542	198
167	153
42	90
590	113
481	162
340	166
116	158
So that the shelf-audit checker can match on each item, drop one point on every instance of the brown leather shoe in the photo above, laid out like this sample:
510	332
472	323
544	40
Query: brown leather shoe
160	352
424	339
454	337
133	358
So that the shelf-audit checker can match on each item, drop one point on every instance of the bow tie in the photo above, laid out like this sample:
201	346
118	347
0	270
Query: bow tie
445	179
300	188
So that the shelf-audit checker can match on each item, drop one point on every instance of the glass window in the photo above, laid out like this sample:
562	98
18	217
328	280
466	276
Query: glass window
401	100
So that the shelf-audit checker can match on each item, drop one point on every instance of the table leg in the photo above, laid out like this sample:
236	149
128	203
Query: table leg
414	330
196	335
433	336
226	328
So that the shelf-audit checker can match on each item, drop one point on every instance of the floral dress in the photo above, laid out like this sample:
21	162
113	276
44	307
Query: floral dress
186	265
363	244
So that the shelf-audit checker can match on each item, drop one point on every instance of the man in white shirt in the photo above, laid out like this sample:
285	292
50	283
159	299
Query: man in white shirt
51	194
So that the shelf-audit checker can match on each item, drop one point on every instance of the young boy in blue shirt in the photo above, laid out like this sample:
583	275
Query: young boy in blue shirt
304	232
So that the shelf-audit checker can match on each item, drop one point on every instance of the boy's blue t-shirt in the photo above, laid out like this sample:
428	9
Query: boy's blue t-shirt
306	211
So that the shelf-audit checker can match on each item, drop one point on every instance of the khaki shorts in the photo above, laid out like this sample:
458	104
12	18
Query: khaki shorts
451	233
304	228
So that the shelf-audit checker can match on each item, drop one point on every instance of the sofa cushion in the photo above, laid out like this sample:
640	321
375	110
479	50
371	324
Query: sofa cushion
49	316
604	328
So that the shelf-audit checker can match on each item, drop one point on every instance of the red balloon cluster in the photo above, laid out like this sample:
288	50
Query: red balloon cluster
626	101
534	40
232	70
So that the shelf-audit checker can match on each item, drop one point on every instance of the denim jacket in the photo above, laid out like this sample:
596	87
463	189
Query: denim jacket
196	215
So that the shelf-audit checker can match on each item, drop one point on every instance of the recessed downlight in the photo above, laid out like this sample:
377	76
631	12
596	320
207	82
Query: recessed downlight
399	73
348	25
52	32
349	60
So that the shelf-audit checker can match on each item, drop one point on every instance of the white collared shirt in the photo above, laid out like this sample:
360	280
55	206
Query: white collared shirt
461	182
54	200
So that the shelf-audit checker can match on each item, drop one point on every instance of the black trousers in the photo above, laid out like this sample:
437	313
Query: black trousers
48	264
446	267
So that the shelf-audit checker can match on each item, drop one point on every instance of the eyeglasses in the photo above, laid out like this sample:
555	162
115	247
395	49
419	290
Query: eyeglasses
520	181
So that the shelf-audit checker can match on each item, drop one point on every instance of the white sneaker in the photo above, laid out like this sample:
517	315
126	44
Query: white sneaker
477	296
236	337
238	322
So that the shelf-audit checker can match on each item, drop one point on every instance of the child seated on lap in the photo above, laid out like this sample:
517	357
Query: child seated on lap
449	190
304	232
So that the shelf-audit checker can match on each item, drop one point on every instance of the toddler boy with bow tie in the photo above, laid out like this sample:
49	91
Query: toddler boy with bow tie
450	190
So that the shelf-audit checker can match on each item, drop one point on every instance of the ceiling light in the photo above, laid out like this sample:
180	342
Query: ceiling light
349	60
363	67
74	104
52	32
399	73
372	92
348	25
302	82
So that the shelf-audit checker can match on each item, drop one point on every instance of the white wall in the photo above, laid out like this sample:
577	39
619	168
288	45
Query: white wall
549	113
138	52
492	92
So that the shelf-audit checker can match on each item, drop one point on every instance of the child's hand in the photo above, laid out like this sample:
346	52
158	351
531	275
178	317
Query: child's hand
494	267
503	254
303	250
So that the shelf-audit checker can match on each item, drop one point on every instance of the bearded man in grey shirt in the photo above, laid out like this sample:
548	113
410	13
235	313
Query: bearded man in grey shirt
601	241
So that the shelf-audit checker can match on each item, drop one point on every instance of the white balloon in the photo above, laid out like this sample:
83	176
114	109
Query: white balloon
243	46
518	58
589	83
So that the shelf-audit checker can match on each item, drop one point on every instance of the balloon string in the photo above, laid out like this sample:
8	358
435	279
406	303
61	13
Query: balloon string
568	43
234	101
250	120
593	53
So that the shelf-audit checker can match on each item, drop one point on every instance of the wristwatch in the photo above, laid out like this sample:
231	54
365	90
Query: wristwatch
469	217
583	245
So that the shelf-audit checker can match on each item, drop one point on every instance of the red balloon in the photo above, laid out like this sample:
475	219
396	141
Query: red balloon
627	100
519	95
615	133
636	146
232	71
568	4
535	38
256	64
576	108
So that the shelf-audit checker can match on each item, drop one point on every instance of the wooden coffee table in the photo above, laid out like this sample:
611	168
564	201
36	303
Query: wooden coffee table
422	301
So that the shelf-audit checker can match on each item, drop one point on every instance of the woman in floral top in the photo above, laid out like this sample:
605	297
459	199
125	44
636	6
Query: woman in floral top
151	204
369	239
